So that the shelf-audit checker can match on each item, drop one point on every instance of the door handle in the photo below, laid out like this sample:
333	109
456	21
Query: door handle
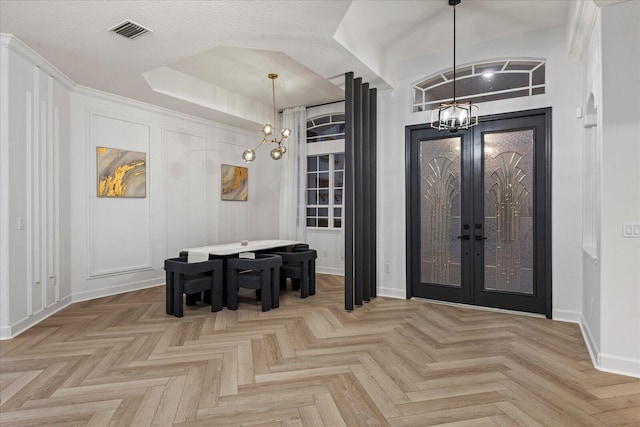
480	238
464	237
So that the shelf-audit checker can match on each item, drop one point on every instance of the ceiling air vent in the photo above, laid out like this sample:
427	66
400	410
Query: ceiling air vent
129	29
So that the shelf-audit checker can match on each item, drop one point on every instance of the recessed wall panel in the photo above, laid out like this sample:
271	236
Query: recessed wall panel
186	183
118	228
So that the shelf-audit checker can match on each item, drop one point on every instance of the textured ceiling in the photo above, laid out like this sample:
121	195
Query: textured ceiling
310	44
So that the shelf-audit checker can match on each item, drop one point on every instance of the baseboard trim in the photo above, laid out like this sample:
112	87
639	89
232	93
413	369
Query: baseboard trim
607	362
566	316
619	365
330	270
391	292
114	290
592	346
479	307
12	331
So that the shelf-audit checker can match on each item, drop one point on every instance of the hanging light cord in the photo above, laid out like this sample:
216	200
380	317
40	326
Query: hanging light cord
454	53
451	115
273	92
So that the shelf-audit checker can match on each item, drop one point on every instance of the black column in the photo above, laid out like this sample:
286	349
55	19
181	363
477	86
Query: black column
366	196
348	193
373	175
360	191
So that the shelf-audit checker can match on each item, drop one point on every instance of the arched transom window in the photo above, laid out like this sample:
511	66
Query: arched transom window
329	127
481	82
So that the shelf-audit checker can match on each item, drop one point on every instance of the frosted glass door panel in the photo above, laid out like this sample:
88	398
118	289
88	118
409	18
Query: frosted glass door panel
508	211
440	223
479	209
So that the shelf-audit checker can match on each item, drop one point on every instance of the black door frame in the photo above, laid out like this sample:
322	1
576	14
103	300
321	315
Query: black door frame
542	236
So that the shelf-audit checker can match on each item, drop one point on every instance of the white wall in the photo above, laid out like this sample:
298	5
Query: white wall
591	316
121	244
563	94
330	247
34	149
620	265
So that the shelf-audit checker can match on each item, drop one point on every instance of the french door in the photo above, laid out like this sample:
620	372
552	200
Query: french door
478	213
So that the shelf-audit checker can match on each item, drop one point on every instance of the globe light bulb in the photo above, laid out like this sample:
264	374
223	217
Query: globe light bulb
286	132
267	129
248	155
276	154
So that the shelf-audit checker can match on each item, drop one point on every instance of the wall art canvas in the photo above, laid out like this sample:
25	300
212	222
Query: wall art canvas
235	183
121	173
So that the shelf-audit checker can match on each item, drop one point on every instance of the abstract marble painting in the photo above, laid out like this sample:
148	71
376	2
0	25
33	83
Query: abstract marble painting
121	173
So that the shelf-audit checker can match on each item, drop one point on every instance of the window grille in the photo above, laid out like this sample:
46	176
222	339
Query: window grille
325	185
325	128
481	82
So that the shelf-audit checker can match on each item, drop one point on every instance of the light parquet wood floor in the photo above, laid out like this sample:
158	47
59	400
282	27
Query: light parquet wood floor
121	360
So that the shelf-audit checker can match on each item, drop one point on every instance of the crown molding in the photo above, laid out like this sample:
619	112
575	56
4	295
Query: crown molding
14	44
582	18
107	96
580	21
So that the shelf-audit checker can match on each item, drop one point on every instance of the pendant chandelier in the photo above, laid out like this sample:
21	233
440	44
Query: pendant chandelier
268	129
455	115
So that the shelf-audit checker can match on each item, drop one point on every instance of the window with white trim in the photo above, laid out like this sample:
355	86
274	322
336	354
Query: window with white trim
325	170
325	186
481	82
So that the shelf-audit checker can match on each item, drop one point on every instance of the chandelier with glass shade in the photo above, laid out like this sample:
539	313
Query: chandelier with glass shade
269	130
456	115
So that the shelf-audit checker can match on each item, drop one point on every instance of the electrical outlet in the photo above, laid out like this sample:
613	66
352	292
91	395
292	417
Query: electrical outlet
387	267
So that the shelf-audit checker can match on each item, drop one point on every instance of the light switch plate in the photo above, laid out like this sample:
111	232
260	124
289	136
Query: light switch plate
631	229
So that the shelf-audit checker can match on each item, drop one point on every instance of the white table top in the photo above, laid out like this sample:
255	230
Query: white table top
202	253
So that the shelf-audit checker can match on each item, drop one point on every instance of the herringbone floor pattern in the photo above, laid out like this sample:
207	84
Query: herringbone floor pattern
121	360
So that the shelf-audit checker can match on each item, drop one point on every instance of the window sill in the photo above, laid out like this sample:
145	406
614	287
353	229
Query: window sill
324	230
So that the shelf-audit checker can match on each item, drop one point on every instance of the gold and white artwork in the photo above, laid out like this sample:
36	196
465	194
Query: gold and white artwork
235	183
121	173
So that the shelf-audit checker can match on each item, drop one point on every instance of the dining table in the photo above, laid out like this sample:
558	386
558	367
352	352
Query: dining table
225	251
204	253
